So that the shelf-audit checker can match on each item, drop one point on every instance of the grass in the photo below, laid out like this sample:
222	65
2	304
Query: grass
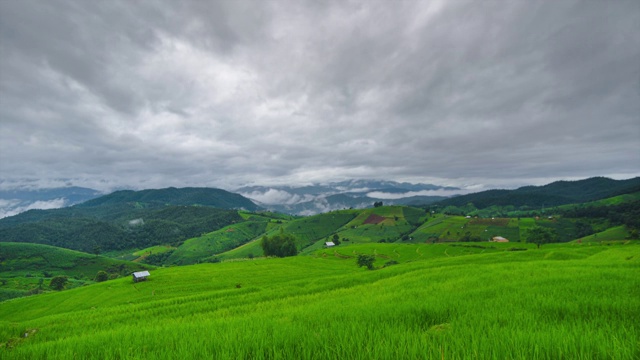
307	231
617	233
158	249
440	301
616	200
18	259
390	224
453	228
209	245
28	268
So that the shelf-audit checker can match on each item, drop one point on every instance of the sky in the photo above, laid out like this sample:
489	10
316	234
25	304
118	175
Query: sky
475	94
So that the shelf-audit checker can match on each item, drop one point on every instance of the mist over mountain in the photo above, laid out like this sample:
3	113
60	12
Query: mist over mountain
318	198
298	200
15	201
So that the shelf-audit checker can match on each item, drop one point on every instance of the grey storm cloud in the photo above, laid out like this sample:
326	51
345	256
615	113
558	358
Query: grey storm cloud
222	93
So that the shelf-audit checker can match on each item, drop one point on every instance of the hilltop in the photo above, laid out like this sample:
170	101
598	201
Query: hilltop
553	194
128	219
211	197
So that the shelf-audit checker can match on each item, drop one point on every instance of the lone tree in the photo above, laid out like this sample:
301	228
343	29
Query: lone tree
58	282
280	245
336	239
540	235
366	260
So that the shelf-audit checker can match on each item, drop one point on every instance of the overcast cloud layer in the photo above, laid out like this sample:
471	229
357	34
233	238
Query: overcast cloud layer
148	94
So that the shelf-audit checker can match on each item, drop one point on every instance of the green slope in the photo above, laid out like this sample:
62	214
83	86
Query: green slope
132	228
306	230
385	223
22	266
570	300
554	194
205	247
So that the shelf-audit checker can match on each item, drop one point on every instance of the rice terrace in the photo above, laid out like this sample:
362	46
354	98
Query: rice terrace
319	179
400	282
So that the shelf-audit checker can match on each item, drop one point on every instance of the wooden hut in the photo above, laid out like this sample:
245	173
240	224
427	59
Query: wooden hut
140	276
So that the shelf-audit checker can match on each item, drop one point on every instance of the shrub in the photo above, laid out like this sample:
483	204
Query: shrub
58	282
102	276
516	249
366	260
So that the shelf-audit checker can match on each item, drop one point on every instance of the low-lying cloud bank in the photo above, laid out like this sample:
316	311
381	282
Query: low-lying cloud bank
275	196
439	192
10	207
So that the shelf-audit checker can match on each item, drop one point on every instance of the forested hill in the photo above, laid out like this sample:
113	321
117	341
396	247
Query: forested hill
173	196
128	219
556	193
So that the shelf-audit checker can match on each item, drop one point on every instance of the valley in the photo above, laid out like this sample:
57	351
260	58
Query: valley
444	281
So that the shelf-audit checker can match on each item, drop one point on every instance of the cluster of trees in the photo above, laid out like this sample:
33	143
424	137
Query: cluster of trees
158	259
366	261
621	214
554	194
280	245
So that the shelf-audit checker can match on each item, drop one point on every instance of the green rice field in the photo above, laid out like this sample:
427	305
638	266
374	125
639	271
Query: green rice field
422	301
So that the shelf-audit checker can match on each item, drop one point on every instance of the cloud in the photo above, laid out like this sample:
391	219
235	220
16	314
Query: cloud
438	192
222	93
136	222
10	207
275	196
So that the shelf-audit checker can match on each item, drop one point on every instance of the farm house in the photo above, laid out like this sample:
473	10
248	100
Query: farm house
140	276
499	239
329	244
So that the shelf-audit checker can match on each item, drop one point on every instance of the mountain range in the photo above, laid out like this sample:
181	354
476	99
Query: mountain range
192	219
319	198
296	200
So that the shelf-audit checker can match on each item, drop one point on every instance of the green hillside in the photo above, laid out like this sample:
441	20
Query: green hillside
162	212
125	222
432	302
385	223
554	194
393	224
308	231
205	247
217	198
22	266
103	228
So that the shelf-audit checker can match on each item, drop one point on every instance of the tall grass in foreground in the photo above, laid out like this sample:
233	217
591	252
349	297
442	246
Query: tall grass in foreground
503	305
